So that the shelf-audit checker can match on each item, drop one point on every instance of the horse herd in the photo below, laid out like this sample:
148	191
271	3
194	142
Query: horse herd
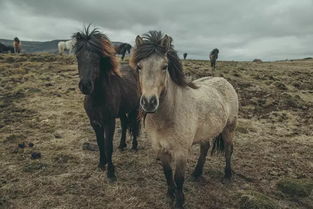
119	47
153	88
15	48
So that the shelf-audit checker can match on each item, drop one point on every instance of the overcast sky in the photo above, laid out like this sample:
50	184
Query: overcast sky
241	29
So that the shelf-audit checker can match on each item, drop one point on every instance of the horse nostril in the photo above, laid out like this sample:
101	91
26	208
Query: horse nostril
153	101
143	101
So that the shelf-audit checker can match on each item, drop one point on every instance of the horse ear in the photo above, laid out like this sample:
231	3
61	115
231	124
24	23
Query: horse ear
77	36
139	41
166	42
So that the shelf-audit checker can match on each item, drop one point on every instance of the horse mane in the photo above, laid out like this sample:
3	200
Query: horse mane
17	40
214	51
96	42
152	45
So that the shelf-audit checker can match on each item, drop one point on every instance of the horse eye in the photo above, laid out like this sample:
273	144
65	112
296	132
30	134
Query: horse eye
165	67
138	68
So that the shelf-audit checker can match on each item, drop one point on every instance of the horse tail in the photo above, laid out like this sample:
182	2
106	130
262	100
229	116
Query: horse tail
218	145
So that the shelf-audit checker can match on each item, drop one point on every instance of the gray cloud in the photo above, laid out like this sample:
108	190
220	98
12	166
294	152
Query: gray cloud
242	30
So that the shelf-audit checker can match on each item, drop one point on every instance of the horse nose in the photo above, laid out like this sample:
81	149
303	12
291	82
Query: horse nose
85	86
149	104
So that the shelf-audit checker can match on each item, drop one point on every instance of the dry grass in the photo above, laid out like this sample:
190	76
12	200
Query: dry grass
40	103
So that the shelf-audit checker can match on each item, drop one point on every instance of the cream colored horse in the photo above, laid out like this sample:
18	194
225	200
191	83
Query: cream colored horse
180	114
66	45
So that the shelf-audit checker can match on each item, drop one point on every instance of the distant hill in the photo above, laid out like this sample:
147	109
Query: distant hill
36	46
40	46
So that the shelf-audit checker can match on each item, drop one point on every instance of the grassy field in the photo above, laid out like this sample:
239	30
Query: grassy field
40	103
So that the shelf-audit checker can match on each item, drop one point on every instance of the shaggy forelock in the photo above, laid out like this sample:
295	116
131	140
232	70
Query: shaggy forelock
91	40
152	44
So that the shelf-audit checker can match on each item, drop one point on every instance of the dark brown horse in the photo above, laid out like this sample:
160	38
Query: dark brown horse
111	92
122	48
213	57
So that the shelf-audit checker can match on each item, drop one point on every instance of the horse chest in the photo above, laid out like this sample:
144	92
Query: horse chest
100	110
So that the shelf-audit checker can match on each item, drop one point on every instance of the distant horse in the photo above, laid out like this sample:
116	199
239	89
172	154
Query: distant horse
17	45
166	100
213	57
66	45
110	92
122	48
6	49
185	56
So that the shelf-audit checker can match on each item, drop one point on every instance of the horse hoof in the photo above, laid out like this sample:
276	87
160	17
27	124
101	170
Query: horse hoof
102	167
122	147
112	179
178	206
199	179
135	149
195	177
171	197
226	181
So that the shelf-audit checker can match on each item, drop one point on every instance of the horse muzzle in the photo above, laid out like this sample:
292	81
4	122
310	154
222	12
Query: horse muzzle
149	104
86	87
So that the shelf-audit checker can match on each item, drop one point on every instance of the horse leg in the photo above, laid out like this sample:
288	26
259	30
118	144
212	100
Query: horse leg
204	147
123	144
135	128
100	141
179	181
228	135
108	144
166	159
123	55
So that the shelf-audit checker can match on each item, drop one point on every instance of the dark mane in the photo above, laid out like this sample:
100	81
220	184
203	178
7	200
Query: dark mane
152	45
16	40
98	43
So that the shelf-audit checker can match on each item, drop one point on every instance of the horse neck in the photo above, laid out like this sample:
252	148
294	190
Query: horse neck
104	85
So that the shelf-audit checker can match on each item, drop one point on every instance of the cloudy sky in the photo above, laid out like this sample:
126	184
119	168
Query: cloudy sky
241	29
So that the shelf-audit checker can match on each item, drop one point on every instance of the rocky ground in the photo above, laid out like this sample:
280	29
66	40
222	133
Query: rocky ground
41	112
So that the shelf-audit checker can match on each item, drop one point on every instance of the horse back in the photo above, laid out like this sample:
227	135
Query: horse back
219	91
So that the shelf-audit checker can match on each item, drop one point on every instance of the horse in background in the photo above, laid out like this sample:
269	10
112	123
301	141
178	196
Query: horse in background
122	48
6	49
185	55
213	57
110	92
66	45
166	100
17	45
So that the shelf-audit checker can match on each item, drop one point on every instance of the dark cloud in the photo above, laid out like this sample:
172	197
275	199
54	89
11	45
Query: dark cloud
242	29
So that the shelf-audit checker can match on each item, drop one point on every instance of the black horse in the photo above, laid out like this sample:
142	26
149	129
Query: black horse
122	48
213	57
110	92
5	49
185	55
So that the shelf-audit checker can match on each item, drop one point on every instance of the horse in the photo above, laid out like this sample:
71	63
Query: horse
173	126
17	45
185	55
110	92
122	48
213	57
66	45
5	49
